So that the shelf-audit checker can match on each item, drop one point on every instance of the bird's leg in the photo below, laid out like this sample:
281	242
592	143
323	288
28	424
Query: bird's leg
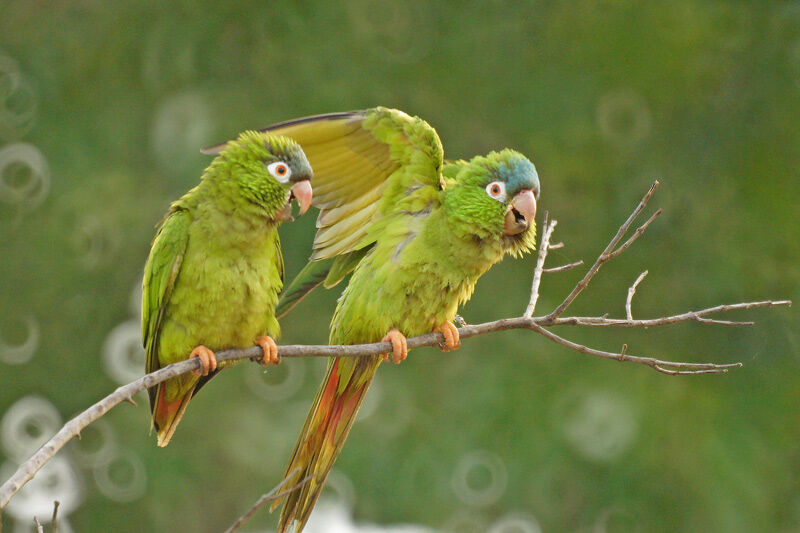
451	339
399	346
271	356
208	361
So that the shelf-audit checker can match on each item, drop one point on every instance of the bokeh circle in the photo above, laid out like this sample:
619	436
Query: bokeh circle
479	464
26	425
121	477
123	354
17	354
24	175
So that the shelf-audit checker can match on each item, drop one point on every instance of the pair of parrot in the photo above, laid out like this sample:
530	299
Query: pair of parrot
414	231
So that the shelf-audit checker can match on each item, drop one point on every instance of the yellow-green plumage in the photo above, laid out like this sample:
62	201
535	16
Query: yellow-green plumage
215	268
416	233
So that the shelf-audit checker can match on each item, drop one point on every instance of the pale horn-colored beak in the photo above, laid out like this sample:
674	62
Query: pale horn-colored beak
302	193
521	212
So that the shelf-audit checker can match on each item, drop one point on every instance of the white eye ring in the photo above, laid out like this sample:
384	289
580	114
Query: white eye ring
497	190
280	171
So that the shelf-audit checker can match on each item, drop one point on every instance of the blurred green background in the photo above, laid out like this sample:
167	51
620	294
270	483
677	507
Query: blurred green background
104	105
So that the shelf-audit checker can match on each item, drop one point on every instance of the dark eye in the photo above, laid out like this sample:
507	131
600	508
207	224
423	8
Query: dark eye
280	171
497	190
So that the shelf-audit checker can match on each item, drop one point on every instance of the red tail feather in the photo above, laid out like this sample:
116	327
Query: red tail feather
324	433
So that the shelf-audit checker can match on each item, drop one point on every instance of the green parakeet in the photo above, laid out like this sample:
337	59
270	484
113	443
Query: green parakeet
215	267
415	232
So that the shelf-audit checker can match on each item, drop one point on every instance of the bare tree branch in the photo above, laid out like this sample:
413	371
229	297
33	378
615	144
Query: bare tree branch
609	252
661	366
690	316
537	272
72	428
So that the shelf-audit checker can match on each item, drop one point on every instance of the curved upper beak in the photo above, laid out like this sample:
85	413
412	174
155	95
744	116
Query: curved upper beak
302	193
521	212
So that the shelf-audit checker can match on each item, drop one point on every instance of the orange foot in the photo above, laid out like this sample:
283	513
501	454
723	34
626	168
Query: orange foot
208	362
399	346
451	339
271	356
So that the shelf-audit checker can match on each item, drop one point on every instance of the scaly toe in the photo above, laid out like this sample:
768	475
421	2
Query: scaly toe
208	361
270	349
399	346
451	336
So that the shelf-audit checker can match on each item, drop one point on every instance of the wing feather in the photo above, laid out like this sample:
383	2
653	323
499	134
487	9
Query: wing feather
160	273
358	157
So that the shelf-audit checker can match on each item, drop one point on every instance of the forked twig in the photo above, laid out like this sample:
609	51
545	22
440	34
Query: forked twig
610	252
656	364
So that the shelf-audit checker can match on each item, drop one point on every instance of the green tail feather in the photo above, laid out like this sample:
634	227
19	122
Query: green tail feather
343	265
312	275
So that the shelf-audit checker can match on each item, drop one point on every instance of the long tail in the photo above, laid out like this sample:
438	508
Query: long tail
323	435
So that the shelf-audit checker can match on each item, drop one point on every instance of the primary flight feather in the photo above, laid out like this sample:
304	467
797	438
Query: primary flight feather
215	268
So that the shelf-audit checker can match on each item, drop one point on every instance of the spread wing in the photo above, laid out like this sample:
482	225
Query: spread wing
160	273
364	162
367	165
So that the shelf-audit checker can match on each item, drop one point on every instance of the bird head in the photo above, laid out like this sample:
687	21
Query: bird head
269	171
497	195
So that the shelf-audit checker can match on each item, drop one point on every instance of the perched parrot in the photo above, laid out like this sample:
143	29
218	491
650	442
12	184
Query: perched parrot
415	232
215	267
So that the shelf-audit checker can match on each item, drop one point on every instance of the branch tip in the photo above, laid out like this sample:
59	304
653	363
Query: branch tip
562	268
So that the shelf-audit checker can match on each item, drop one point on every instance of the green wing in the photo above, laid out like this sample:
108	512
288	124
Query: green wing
160	273
367	165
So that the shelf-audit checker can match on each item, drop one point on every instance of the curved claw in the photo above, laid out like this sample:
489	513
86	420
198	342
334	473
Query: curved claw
451	337
270	348
208	360
399	346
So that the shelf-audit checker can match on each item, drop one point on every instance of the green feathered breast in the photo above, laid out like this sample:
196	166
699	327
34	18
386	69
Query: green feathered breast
215	268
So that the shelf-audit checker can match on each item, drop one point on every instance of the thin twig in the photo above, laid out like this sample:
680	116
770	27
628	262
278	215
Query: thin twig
690	316
609	253
39	528
537	272
54	519
684	368
562	268
636	235
631	292
269	496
